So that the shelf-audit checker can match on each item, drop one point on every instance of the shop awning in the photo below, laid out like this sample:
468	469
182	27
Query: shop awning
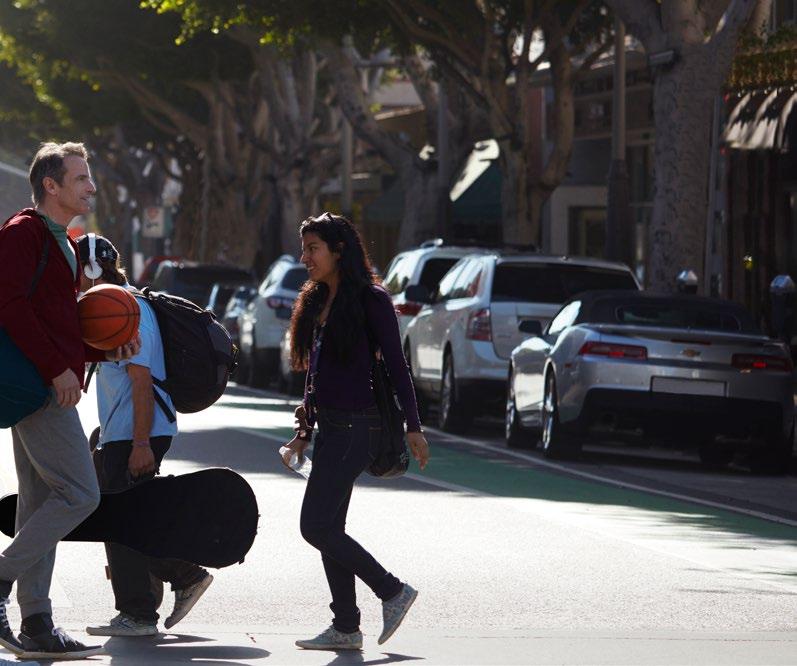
760	120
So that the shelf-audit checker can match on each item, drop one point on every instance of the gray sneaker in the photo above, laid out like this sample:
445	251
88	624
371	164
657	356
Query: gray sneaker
394	610
184	600
332	639
124	625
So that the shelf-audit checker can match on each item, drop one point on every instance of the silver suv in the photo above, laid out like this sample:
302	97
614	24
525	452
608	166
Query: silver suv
458	346
424	265
263	322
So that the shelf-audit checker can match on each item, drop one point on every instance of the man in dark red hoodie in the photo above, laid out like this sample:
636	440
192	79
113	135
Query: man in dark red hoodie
57	483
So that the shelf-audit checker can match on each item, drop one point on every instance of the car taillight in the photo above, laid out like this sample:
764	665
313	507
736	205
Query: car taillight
409	308
751	362
612	350
277	303
479	327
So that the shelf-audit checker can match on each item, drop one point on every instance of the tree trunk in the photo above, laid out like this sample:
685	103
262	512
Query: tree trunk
298	201
520	224
683	96
421	193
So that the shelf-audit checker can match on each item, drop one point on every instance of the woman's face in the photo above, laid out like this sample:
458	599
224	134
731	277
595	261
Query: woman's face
320	262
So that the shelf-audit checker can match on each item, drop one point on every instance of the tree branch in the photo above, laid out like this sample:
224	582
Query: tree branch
642	19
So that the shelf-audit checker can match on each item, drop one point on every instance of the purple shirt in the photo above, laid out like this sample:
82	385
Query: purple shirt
348	386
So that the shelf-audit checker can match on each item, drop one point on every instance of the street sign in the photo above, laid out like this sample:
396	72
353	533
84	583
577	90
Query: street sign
154	223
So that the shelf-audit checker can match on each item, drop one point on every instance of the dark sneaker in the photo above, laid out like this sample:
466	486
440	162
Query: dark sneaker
332	639
394	610
184	600
7	638
55	644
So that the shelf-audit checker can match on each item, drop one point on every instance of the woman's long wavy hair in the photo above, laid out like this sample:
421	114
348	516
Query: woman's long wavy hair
346	316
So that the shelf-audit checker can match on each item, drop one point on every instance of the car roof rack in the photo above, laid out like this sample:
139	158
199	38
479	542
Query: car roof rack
478	243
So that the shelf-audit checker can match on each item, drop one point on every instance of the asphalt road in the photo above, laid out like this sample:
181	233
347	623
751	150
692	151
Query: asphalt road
613	560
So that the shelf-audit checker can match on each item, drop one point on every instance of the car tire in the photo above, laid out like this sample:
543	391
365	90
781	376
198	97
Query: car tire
451	416
775	457
258	373
514	434
420	398
713	454
556	444
241	375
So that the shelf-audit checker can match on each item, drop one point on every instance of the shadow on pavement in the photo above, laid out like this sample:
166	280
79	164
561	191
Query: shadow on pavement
178	649
347	657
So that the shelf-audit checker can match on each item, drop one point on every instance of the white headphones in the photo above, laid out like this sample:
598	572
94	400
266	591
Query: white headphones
92	270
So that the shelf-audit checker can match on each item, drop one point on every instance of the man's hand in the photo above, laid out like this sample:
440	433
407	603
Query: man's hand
125	351
67	389
141	461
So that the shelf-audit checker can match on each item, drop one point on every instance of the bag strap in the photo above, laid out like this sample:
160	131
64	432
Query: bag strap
41	266
161	402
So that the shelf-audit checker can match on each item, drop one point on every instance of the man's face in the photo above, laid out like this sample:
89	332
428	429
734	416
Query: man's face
73	195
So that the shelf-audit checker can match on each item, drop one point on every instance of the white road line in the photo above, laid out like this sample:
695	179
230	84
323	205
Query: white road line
609	481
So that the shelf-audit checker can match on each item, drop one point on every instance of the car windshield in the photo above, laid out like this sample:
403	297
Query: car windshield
195	283
553	283
294	279
222	295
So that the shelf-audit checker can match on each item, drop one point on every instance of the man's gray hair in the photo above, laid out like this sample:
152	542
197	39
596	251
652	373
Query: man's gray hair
49	163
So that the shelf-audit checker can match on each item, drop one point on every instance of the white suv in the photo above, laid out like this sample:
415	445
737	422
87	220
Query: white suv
262	324
423	265
458	346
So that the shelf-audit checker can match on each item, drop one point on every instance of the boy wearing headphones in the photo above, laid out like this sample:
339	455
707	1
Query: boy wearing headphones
57	483
135	434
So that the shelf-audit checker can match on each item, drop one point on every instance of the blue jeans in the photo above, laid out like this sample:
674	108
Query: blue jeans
340	455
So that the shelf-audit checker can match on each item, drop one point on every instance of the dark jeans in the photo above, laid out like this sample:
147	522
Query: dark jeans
130	570
340	455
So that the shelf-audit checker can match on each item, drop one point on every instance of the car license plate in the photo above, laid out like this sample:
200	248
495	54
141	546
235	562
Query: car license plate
687	386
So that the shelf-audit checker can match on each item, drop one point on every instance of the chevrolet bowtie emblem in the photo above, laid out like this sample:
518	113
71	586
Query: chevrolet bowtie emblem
690	353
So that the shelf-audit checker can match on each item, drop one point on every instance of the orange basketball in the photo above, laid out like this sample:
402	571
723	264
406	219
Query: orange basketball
108	316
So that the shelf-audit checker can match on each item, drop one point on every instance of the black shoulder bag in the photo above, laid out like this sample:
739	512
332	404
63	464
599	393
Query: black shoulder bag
391	457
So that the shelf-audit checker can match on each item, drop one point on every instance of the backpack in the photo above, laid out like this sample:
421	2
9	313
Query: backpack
197	350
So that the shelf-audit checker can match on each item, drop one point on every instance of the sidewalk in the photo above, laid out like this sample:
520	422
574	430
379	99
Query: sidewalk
271	646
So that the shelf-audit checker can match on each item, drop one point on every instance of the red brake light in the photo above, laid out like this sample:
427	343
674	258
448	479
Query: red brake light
749	362
276	303
612	350
479	326
409	308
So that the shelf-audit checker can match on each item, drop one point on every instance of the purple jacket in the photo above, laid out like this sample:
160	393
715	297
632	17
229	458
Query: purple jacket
347	386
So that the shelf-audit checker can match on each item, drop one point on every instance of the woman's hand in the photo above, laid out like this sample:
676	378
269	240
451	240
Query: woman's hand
297	446
419	447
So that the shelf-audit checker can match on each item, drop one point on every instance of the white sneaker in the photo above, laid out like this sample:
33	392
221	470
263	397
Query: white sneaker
332	639
124	625
184	600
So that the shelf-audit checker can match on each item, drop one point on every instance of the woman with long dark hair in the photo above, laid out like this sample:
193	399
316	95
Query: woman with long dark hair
342	316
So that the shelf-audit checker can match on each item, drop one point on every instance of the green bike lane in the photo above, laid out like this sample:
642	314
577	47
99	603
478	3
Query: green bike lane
744	546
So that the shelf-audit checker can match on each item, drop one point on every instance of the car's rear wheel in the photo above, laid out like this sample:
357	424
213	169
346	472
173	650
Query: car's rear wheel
513	431
714	454
775	457
556	444
451	415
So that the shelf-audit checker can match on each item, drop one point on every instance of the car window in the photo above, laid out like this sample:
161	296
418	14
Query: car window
446	287
467	281
553	283
433	271
567	315
294	279
398	276
674	316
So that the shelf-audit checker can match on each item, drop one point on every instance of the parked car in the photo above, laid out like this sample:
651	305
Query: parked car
194	281
263	322
236	304
151	267
220	294
458	346
697	370
424	265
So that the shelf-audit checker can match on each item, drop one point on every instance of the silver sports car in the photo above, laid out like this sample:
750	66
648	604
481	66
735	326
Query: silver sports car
696	372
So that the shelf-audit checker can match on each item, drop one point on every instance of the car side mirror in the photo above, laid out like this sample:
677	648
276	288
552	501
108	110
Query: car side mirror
531	326
418	293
